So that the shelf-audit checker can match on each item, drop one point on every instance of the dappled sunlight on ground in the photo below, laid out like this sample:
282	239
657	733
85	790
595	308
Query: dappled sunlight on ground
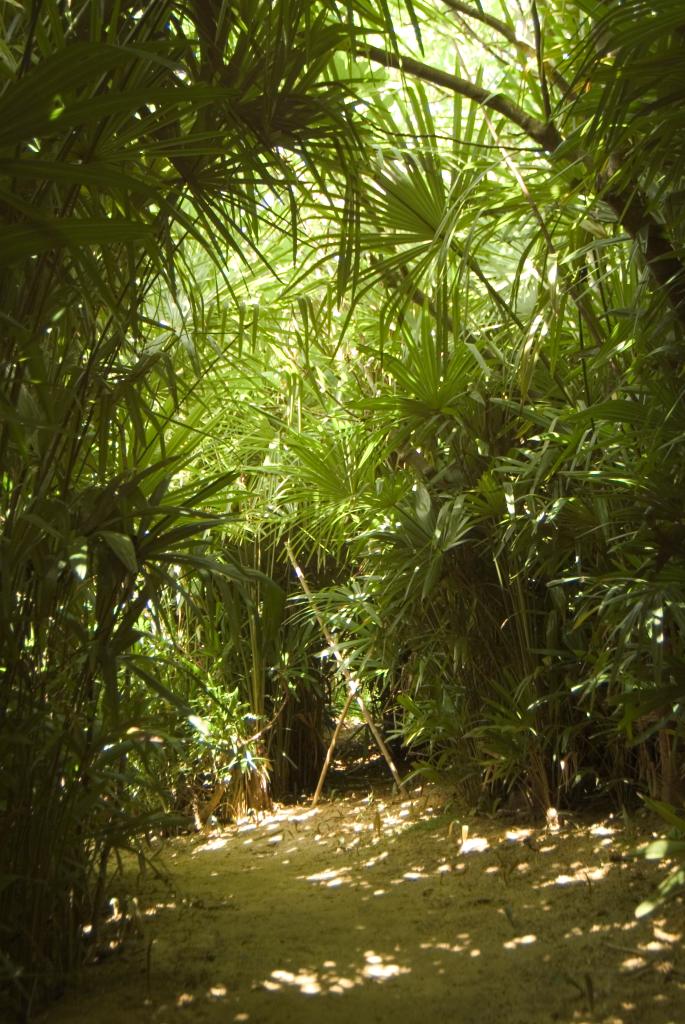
374	909
329	979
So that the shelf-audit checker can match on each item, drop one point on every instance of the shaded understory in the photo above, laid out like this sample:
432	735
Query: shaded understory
374	908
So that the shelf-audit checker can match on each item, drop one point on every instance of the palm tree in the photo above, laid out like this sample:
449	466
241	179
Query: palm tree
133	139
400	285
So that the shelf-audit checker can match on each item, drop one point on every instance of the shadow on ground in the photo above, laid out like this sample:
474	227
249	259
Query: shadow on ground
373	910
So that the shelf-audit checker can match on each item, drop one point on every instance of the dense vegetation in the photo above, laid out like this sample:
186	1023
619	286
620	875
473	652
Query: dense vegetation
391	290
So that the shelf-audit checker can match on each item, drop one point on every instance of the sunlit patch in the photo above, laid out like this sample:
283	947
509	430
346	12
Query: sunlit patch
116	914
342	985
217	992
384	970
305	816
241	1017
474	844
602	830
581	874
552	816
517	835
332	878
520	940
633	963
325	876
413	876
376	968
212	844
380	968
376	860
665	936
445	947
307	983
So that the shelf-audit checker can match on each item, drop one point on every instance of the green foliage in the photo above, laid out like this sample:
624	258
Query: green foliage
670	849
140	154
399	285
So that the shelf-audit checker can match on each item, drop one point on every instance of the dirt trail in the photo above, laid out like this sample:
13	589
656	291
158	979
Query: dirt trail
369	910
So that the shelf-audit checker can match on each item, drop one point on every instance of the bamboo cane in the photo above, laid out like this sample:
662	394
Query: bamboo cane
352	691
331	748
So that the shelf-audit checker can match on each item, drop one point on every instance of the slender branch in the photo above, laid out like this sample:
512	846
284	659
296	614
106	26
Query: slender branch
539	53
508	33
584	309
352	685
546	135
630	208
331	747
491	21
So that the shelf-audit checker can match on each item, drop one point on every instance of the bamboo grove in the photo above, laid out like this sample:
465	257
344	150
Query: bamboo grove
397	287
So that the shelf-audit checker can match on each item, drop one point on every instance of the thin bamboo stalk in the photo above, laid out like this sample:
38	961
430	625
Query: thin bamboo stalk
331	748
381	744
352	686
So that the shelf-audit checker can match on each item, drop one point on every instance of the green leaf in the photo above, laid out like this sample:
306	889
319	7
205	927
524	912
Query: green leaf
422	504
662	849
666	811
123	547
28	104
17	242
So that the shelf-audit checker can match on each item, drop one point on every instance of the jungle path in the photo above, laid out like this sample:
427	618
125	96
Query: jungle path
369	909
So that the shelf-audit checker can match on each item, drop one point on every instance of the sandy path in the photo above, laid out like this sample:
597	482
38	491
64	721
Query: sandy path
367	910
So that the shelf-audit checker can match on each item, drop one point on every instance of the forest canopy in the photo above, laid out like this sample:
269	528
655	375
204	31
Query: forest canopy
388	297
